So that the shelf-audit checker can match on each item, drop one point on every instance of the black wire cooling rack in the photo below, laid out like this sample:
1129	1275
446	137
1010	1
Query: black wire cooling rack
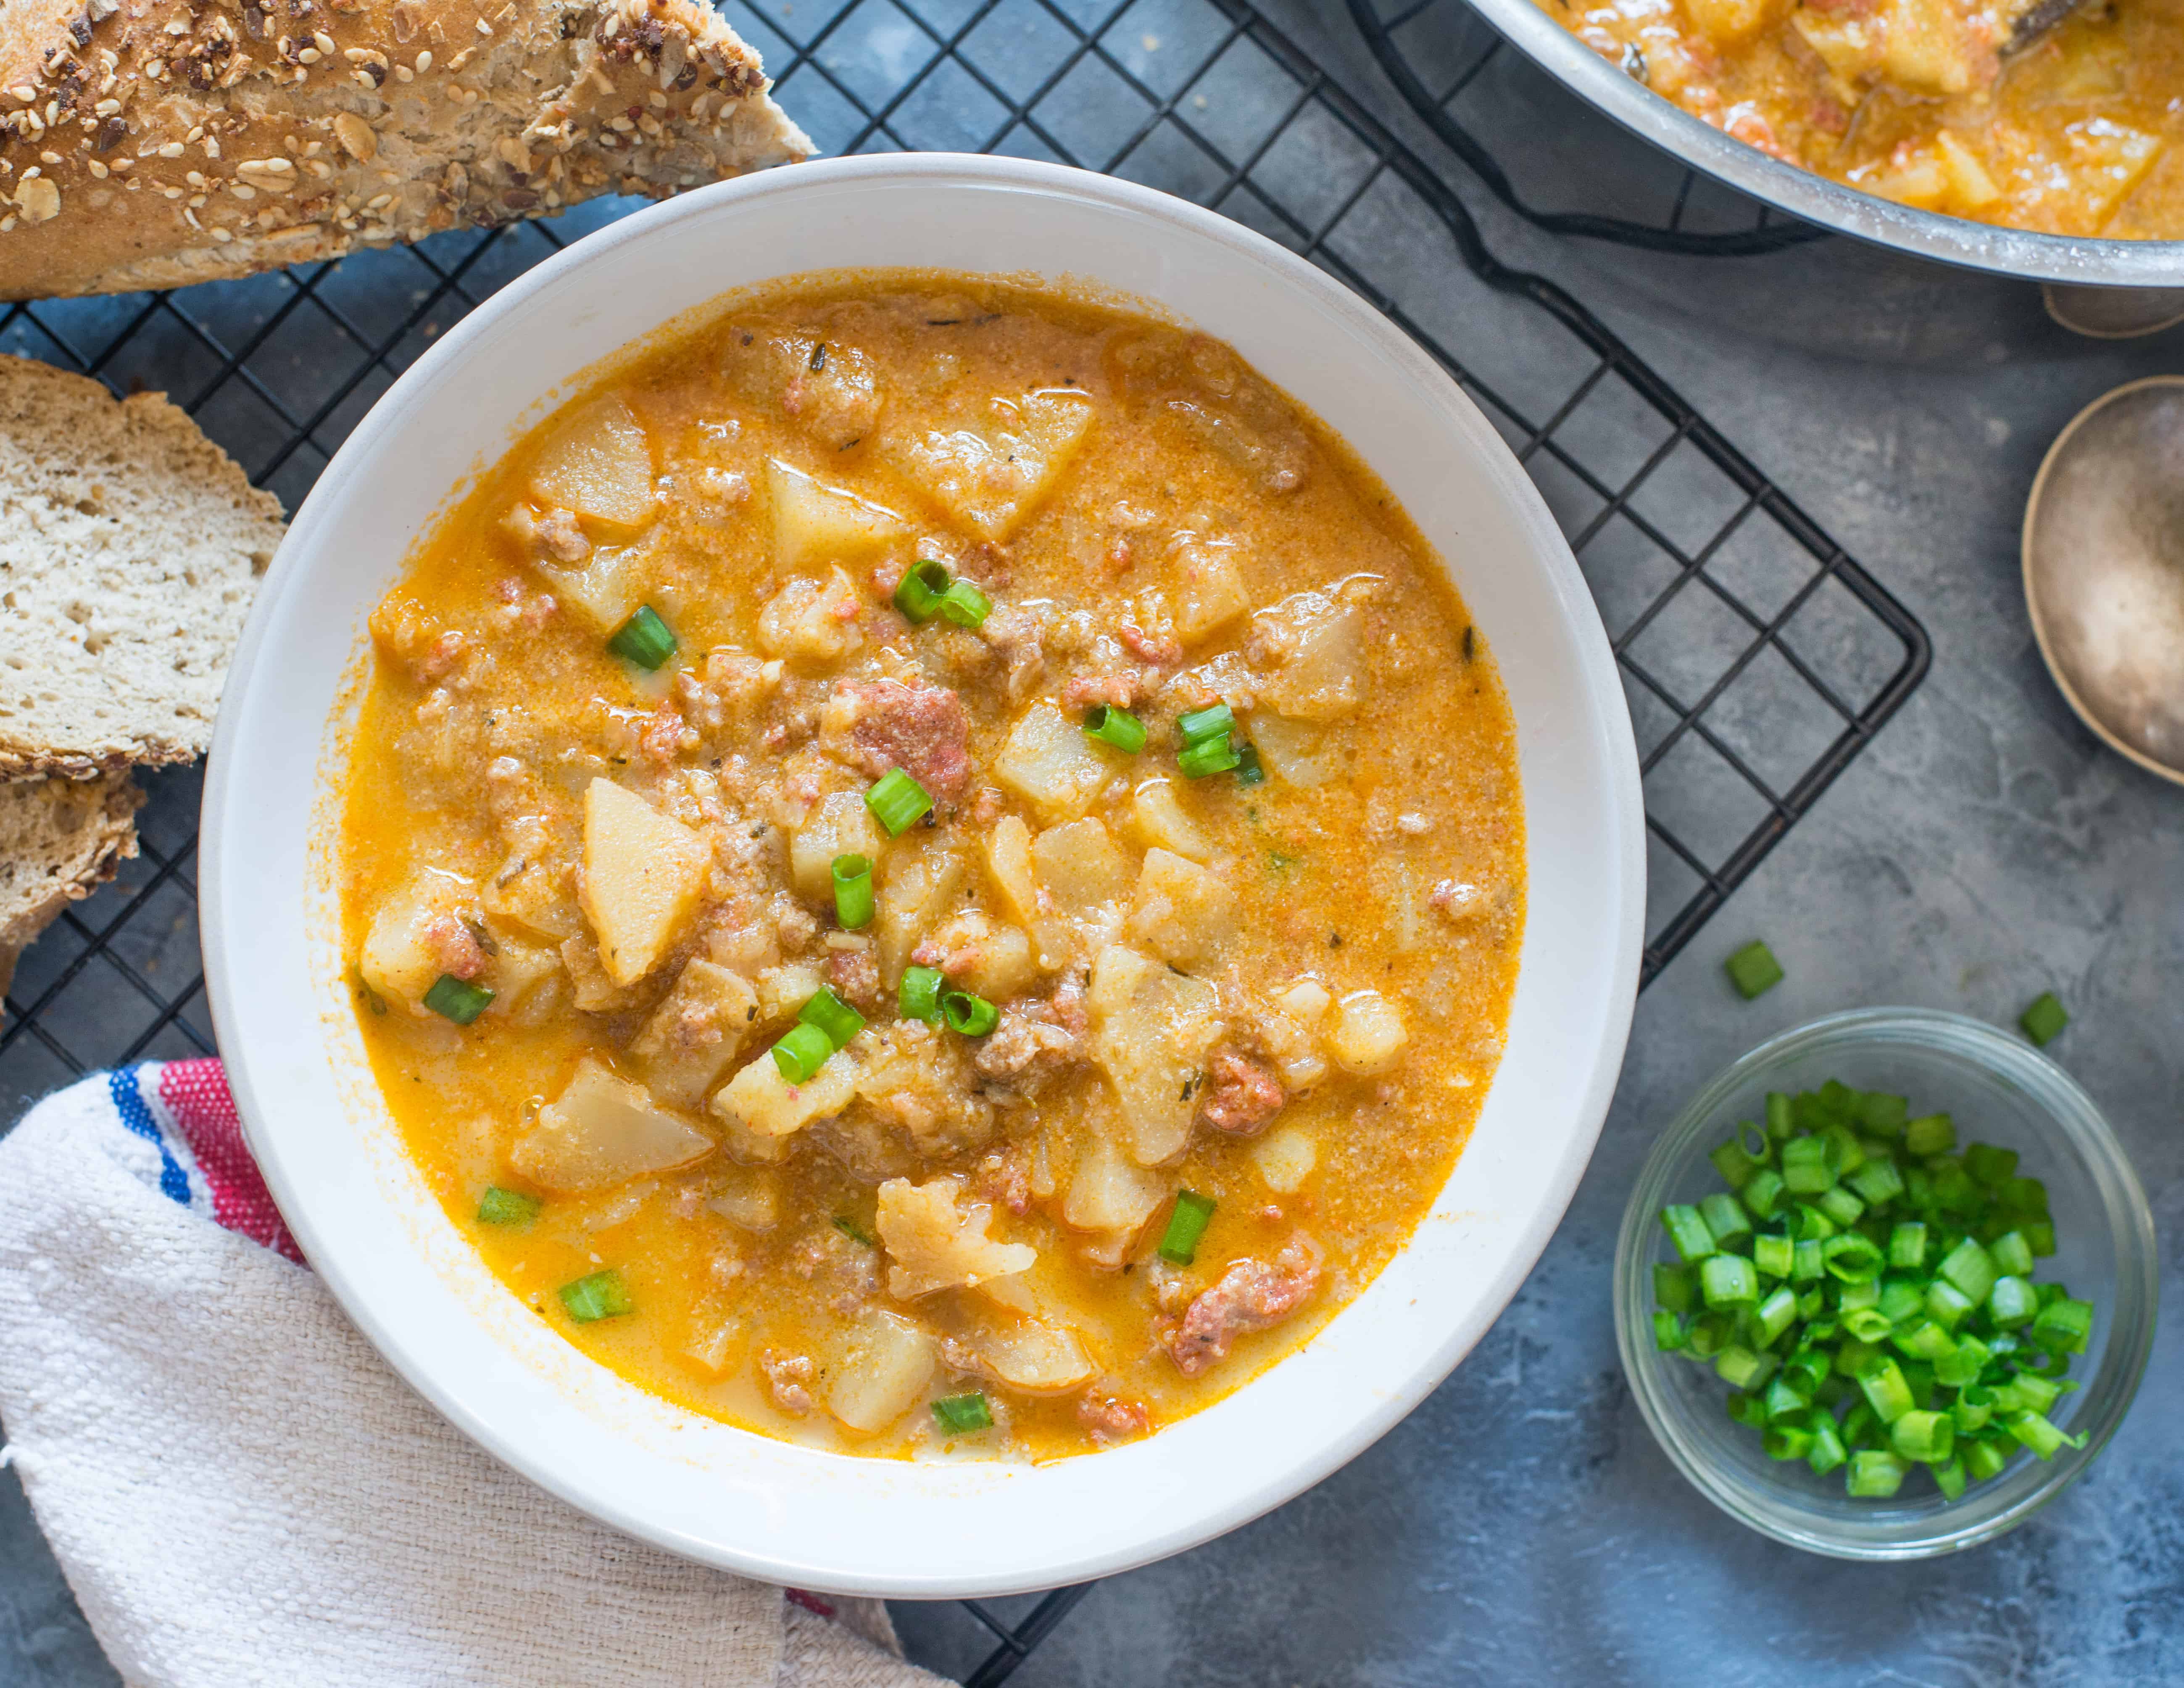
1758	658
1462	79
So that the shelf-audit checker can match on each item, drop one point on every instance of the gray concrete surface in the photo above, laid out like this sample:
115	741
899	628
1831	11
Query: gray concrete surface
1522	1528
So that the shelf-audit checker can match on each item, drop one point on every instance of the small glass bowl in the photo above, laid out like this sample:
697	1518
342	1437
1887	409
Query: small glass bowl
1999	1090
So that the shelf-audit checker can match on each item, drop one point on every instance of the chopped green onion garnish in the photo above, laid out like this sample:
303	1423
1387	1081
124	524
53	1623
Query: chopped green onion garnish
1208	756
2043	1021
802	1051
896	800
499	1206
1178	1244
854	1232
644	638
853	892
833	1015
973	1015
965	605
1249	770
1866	1289
601	1295
1117	727
919	996
961	1414
919	595
1754	970
457	1000
1217	720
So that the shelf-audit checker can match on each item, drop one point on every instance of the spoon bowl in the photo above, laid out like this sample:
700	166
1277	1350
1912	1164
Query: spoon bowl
2103	552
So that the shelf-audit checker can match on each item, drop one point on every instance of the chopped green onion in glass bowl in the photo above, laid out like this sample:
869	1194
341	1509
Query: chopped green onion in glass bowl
1998	1091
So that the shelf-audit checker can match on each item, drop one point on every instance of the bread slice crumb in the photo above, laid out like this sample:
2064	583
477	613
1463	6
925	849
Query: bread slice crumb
59	840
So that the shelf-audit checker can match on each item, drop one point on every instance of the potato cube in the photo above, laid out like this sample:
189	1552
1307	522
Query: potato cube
987	957
1211	594
815	523
811	620
1285	1157
1295	752
763	1101
935	1241
749	1200
990	468
399	958
1023	1352
603	1130
1108	1191
1051	764
599	463
605	588
1727	22
1318	644
1008	864
695	1033
838	825
880	1371
1152	1028
644	872
1368	1035
918	890
1079	867
1182	912
1158	816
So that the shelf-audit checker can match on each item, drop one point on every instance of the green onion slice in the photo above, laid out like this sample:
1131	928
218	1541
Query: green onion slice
2044	1019
644	638
965	605
802	1051
853	892
833	1015
457	999
959	1415
499	1206
897	800
1754	970
1249	770
1186	1225
919	595
854	1232
1208	756
919	996
603	1295
1117	727
1196	726
973	1015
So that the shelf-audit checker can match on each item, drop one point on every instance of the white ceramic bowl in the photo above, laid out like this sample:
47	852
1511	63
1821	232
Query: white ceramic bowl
789	1514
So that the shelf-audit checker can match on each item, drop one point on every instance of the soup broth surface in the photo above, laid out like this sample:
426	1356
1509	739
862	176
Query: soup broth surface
932	865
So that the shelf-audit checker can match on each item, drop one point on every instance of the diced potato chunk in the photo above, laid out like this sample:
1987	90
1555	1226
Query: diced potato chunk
1050	764
400	960
935	1242
603	1130
1316	644
783	990
1080	867
749	1200
991	468
811	620
695	1033
987	957
1285	1157
815	523
1008	864
764	1103
1295	752
1021	1352
605	587
1727	22
918	891
838	825
1108	1191
1151	1028
1305	1002
599	463
1368	1035
881	1370
1157	813
1211	593
1182	912
644	872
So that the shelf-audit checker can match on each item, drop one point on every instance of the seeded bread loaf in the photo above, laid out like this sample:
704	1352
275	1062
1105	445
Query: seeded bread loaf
58	838
153	143
129	548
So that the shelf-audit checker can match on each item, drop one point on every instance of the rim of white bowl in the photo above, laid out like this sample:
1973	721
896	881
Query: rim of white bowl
1187	1527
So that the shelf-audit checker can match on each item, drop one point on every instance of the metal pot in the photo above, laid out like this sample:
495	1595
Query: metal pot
1814	199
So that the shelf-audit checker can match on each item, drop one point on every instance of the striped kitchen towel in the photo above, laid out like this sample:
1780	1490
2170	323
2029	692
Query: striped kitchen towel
240	1491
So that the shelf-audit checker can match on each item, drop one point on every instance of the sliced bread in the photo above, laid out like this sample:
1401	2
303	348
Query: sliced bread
158	142
58	839
129	548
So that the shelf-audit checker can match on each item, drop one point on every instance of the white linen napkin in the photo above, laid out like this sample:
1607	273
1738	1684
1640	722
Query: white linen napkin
239	1489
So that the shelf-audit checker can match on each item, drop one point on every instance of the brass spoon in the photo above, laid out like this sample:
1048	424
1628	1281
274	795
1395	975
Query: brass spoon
2104	569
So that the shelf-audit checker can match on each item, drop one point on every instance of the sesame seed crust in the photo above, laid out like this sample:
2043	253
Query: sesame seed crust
155	144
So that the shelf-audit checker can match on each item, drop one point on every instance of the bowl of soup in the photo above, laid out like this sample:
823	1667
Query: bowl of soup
923	875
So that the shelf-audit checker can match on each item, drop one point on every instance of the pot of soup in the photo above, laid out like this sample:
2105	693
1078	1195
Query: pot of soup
926	877
2029	140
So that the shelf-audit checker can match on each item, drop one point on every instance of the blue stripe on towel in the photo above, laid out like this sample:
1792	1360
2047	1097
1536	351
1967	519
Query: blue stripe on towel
129	1103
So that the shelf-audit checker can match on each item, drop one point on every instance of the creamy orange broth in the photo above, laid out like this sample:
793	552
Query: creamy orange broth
1964	106
1288	996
